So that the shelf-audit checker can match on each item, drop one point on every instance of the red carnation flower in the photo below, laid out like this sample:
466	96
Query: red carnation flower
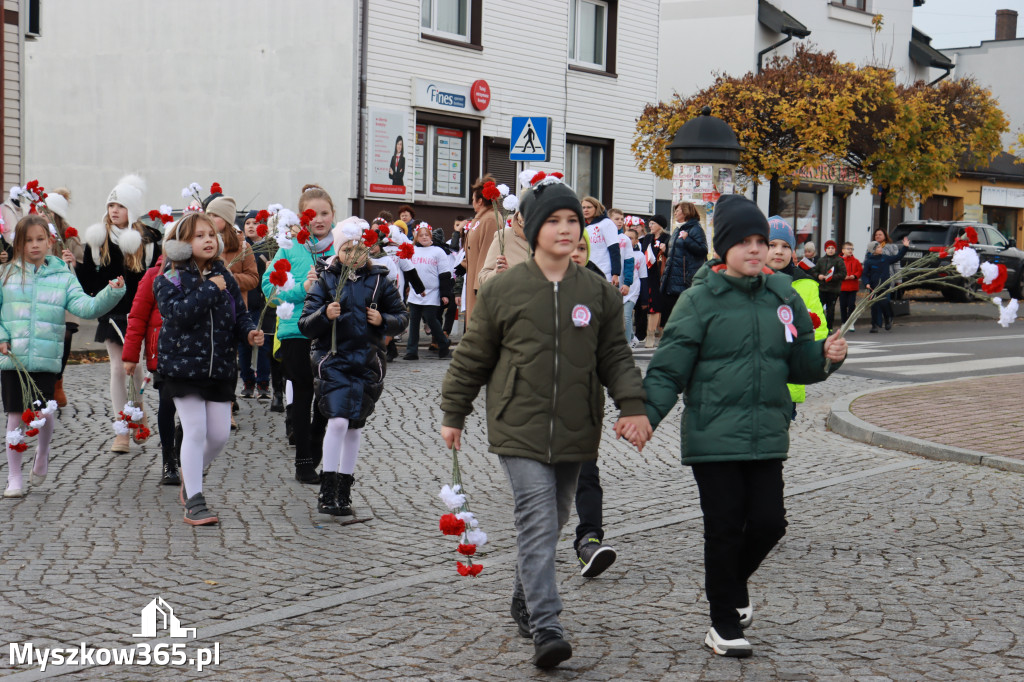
468	550
405	251
164	218
815	320
27	416
307	217
35	432
20	447
490	191
557	175
472	569
960	244
32	209
142	434
261	231
279	278
461	568
216	189
452	525
70	232
303	236
537	177
283	264
154	214
997	285
972	235
263	216
370	237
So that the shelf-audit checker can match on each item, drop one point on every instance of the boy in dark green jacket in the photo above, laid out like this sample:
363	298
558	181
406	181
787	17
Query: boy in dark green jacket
546	338
735	339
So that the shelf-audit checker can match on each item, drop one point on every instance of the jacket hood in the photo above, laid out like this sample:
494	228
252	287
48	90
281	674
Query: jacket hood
51	265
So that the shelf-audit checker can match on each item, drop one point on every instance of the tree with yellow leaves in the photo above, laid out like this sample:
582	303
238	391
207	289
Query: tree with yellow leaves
811	109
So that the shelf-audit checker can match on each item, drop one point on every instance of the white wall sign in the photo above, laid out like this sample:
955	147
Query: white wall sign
391	155
1002	196
432	94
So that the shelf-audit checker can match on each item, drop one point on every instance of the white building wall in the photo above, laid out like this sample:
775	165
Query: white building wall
524	60
249	93
987	63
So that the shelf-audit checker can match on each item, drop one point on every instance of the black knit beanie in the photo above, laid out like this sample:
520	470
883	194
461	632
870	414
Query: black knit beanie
543	199
251	214
736	218
660	219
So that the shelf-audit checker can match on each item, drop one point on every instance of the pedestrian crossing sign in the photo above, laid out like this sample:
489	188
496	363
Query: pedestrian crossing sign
531	138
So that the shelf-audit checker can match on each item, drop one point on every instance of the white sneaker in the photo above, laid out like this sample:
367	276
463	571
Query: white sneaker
14	492
37	479
746	616
635	342
734	648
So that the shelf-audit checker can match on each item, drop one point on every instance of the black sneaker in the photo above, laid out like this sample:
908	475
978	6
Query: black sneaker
728	641
262	393
873	330
521	615
411	357
594	557
888	325
550	649
247	391
277	403
307	474
170	475
444	353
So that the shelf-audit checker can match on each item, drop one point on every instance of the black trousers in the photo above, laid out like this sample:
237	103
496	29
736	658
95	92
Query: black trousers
308	423
744	518
276	375
589	502
450	312
429	314
828	302
847	302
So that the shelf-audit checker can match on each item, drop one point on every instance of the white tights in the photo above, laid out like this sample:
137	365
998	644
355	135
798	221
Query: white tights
206	427
42	462
341	446
118	379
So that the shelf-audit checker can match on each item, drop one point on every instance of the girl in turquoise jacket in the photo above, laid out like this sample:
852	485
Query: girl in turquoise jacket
35	291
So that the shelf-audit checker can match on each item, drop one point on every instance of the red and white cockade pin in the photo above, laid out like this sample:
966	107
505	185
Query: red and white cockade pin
786	318
581	316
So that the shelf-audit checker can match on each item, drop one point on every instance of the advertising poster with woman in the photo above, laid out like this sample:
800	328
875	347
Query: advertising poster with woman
391	154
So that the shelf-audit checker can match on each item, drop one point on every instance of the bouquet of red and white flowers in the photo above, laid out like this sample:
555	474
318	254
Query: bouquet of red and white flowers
461	522
34	414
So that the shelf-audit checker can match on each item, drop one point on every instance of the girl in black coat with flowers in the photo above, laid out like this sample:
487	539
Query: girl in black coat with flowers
351	375
203	322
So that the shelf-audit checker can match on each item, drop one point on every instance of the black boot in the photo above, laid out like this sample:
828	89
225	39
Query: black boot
345	482
392	351
277	402
170	475
289	430
327	500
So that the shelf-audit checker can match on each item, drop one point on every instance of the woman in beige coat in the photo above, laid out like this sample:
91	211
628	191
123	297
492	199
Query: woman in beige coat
516	251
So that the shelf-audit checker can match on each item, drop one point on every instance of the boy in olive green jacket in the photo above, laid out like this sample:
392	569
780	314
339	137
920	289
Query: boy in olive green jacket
735	338
546	338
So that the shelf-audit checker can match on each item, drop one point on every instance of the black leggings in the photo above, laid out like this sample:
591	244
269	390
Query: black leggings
70	329
308	423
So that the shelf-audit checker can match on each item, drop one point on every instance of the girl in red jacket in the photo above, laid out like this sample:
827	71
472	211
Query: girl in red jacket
144	324
850	286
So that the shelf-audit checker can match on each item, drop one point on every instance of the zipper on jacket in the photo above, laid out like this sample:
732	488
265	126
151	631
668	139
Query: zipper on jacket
554	391
210	373
757	372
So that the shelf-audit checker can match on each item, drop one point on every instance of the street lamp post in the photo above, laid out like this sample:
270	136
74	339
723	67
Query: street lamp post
704	154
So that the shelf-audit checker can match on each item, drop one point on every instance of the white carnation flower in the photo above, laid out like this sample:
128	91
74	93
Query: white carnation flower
51	407
274	208
37	423
283	242
966	261
121	428
503	189
469	518
511	202
1007	315
451	497
476	537
989	271
165	209
289	283
285	310
14	437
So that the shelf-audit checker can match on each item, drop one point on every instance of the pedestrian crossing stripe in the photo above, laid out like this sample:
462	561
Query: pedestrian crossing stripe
907	357
530	137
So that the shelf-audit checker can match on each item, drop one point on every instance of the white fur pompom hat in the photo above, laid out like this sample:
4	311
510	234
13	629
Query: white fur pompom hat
58	204
348	230
130	192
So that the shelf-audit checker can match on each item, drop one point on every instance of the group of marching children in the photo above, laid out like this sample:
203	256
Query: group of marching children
190	300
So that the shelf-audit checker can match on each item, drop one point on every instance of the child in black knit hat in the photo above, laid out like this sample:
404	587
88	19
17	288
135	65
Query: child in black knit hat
543	338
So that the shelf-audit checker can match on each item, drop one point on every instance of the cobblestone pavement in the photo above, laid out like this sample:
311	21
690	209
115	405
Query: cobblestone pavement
894	567
983	413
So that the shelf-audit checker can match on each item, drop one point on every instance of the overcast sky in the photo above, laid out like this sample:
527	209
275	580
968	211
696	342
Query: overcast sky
963	23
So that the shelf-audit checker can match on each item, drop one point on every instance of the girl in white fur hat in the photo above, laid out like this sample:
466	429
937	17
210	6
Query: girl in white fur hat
120	246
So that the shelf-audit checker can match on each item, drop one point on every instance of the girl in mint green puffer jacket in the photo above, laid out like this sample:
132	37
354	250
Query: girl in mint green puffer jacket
35	291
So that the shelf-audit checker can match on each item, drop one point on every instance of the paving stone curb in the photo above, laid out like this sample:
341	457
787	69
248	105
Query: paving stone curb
841	420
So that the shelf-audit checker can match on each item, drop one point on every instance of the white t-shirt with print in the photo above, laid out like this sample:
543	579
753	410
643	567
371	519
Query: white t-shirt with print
601	235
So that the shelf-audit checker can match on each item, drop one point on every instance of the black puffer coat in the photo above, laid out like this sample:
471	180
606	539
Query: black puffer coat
351	380
202	324
685	258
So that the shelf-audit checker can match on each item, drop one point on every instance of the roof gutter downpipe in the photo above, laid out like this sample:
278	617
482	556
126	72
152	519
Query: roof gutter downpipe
947	70
762	53
363	49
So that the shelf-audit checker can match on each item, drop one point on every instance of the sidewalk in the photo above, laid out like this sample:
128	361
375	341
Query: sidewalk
975	421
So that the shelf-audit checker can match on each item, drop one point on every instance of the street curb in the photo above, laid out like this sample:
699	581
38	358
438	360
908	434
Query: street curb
842	421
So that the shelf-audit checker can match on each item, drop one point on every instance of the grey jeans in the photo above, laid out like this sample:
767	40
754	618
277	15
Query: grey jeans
543	495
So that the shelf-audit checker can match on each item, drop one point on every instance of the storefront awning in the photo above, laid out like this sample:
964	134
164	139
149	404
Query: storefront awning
775	19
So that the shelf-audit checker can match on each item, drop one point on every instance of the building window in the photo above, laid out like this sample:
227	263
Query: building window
446	18
852	4
802	210
442	155
589	166
588	33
